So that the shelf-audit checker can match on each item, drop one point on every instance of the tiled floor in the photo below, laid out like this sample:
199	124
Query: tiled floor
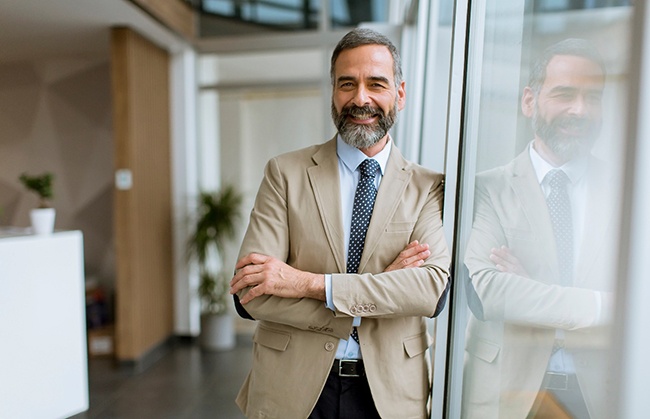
187	383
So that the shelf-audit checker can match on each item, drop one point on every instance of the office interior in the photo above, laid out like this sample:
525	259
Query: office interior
138	106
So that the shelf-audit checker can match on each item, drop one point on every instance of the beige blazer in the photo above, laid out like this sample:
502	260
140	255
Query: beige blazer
297	218
513	327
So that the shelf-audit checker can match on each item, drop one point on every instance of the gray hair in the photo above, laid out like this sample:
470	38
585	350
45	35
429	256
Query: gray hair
363	36
571	46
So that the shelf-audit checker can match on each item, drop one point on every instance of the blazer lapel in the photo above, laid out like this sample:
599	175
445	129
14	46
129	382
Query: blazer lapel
532	202
389	195
324	180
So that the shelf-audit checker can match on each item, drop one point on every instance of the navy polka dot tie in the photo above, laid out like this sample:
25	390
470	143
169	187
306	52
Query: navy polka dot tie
559	208
364	202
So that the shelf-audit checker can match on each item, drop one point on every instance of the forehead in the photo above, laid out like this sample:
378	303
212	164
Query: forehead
573	71
366	60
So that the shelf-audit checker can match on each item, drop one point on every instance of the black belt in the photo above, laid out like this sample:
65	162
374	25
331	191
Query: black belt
349	368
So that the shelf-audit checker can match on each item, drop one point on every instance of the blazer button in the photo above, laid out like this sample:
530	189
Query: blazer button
329	346
366	307
353	310
372	308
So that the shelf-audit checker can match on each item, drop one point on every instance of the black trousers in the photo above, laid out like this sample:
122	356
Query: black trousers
345	398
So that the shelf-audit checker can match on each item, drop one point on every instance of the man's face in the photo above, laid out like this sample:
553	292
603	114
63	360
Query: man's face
567	113
365	100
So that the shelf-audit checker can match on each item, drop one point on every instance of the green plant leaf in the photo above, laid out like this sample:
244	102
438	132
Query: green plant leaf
215	224
41	185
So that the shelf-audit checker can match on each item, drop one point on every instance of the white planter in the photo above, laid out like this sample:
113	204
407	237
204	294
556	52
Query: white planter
42	220
217	332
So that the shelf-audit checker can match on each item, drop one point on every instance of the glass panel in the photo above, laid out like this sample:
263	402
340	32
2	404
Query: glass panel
284	14
353	12
298	14
536	269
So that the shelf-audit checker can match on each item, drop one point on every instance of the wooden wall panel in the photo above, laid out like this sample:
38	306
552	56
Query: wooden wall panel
143	223
175	14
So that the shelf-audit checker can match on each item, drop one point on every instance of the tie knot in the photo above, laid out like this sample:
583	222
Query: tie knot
368	168
557	179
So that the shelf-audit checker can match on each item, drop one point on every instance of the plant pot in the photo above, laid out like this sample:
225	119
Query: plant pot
217	331
42	220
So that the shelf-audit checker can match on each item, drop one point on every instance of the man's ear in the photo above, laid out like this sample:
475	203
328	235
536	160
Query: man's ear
528	102
401	96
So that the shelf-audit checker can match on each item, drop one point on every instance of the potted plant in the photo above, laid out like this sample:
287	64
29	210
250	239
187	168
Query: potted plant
43	216
215	225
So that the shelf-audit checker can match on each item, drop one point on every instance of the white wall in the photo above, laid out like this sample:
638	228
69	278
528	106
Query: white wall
252	107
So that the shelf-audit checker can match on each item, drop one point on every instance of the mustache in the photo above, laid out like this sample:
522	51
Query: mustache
572	122
361	112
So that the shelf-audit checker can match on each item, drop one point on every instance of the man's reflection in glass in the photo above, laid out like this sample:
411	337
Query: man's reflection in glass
538	256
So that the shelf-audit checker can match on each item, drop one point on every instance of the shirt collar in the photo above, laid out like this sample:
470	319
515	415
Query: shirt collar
352	156
575	169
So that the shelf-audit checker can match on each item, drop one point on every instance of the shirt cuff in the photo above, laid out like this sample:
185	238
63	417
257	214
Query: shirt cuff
605	307
329	300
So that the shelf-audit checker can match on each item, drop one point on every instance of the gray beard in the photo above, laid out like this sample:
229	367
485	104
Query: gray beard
363	136
564	146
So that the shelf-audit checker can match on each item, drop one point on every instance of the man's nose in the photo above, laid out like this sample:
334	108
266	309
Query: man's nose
579	106
361	97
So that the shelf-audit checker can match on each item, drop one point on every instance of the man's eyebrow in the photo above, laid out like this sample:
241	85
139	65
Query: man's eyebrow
346	78
573	89
371	78
379	78
563	89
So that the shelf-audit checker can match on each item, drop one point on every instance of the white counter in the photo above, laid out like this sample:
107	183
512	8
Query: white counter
43	355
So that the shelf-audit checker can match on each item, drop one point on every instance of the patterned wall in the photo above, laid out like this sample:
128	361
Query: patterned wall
56	116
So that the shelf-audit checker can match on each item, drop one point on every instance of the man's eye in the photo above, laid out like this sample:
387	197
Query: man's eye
564	96
594	97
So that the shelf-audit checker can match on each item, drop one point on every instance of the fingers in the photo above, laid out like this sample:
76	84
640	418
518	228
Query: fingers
249	275
413	255
261	274
505	261
501	260
505	254
251	258
415	260
251	294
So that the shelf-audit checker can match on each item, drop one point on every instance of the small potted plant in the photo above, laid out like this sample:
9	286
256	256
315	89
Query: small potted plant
43	216
215	225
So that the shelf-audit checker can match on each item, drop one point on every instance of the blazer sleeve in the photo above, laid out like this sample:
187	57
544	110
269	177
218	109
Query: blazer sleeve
268	234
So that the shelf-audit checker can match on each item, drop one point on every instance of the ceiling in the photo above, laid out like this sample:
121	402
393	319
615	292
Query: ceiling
37	29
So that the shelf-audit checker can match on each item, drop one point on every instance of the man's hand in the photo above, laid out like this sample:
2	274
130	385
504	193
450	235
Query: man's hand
413	255
505	261
268	275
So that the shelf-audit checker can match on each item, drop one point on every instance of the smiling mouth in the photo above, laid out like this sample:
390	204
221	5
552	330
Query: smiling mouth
575	129
363	119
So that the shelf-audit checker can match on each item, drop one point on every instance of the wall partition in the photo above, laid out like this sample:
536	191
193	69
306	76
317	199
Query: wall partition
537	192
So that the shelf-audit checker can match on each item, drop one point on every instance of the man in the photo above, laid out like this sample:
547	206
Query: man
538	256
297	273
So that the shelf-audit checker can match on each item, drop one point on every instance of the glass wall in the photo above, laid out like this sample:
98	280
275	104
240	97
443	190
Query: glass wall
543	139
299	14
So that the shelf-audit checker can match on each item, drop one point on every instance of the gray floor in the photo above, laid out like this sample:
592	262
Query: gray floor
186	383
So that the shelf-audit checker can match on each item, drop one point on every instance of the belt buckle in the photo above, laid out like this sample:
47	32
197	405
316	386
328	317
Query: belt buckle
557	381
347	361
